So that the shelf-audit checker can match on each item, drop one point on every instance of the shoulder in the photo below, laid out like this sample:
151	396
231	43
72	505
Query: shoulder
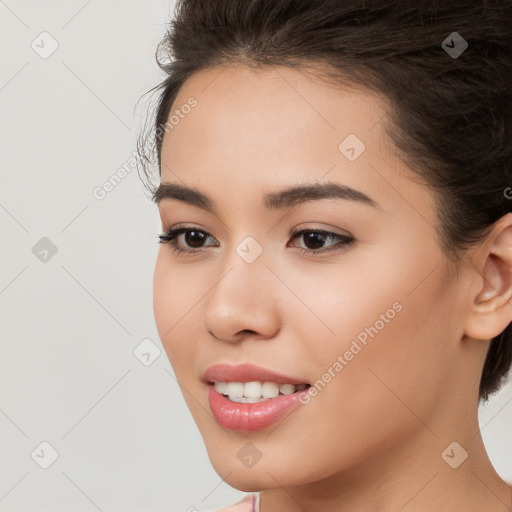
247	504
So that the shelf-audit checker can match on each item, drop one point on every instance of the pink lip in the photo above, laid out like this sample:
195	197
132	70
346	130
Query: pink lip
246	373
250	417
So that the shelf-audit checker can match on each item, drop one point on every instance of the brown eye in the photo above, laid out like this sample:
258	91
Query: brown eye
314	240
194	238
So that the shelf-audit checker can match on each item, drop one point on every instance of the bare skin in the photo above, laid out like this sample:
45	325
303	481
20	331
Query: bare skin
373	437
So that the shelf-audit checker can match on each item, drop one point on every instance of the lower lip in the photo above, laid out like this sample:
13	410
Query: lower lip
251	417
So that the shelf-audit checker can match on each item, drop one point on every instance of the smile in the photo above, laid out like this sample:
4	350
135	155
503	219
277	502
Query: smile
254	392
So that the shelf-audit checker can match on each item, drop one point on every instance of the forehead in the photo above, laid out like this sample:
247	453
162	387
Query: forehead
261	130
272	107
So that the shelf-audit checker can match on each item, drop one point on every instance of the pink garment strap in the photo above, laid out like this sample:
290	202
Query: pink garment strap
256	503
249	503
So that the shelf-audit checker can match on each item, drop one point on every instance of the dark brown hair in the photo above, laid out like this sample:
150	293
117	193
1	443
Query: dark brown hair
450	117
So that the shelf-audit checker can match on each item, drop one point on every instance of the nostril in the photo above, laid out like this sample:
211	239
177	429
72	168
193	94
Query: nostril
248	331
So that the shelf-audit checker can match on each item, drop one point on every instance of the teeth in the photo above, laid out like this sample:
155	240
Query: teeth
287	389
221	387
252	392
269	390
250	400
235	389
252	389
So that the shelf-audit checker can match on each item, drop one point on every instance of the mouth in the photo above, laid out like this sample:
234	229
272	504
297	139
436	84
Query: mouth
255	391
267	403
247	398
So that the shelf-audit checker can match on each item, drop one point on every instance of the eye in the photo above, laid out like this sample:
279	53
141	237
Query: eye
317	238
194	239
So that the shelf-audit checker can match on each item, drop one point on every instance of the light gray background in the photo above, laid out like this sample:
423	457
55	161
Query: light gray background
70	325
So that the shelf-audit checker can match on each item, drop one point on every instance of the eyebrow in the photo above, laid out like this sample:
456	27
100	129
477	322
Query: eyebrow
276	200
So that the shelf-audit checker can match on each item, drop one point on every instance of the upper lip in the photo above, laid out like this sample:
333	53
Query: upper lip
246	373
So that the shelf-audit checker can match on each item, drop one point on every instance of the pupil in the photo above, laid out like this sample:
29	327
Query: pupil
189	236
311	237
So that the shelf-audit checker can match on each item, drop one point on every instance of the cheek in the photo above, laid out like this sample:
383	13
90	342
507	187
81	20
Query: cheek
337	307
176	309
392	355
164	283
380	339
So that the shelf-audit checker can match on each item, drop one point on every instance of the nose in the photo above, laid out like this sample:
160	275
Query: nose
243	303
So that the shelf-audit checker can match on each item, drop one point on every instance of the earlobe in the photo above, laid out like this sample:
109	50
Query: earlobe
491	309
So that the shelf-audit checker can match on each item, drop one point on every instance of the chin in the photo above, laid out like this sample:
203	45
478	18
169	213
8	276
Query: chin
250	480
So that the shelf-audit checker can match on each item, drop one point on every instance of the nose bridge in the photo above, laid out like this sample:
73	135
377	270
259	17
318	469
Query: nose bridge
243	298
245	272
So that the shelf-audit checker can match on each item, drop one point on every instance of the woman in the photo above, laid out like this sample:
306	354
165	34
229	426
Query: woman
333	284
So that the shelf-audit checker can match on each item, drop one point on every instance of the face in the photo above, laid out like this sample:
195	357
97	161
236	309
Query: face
360	305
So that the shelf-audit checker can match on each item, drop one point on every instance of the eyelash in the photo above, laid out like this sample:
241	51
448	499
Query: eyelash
170	237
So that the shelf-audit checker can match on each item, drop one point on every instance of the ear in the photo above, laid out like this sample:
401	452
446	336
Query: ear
491	307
